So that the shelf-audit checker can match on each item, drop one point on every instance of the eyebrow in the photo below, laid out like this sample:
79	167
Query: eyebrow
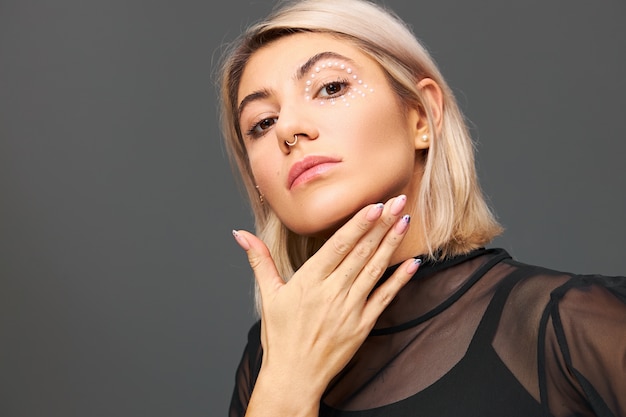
300	73
306	67
257	95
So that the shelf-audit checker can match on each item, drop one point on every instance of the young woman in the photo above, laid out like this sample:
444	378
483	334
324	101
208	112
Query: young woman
376	294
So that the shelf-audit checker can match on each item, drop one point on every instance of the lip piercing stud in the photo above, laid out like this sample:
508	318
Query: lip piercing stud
295	140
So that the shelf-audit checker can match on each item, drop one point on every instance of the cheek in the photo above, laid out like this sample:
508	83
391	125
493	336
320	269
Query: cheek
264	169
381	123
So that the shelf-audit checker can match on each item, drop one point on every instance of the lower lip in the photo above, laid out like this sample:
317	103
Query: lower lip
312	173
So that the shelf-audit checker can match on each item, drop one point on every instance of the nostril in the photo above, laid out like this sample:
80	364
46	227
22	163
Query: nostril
292	143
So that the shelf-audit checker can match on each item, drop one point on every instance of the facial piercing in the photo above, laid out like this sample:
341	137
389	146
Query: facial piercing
425	138
261	198
295	140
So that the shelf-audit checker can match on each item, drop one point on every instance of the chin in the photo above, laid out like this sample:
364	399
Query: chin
321	211
311	224
320	231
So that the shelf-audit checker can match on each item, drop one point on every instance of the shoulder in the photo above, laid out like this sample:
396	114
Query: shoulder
546	300
254	334
532	289
247	372
254	350
589	310
582	317
544	288
582	338
251	359
569	329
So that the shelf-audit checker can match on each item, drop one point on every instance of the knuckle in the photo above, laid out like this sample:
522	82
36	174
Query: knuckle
363	226
385	299
393	240
364	327
374	271
363	250
388	221
255	261
340	246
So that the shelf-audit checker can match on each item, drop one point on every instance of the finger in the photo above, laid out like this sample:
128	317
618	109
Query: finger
333	252
384	294
369	244
379	262
342	243
261	262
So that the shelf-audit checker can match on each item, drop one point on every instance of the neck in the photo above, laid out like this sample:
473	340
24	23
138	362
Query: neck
412	245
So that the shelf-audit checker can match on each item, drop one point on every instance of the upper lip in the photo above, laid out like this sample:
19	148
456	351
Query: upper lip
307	163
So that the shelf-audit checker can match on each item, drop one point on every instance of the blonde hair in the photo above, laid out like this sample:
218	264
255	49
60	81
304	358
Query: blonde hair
455	216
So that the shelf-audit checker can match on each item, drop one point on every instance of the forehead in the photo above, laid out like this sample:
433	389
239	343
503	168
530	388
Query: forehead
282	59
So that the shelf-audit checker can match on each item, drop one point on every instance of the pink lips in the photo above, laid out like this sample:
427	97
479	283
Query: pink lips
308	168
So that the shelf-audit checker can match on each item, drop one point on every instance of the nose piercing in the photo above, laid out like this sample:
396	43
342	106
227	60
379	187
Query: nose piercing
295	140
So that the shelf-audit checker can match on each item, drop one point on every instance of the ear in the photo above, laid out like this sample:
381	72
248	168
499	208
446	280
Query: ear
432	97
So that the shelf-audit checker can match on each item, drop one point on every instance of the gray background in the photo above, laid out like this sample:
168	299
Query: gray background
122	292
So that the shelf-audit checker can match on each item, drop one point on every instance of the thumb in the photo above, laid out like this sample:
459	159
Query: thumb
260	260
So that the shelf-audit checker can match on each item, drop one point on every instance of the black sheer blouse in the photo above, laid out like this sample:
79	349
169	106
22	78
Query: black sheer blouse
482	335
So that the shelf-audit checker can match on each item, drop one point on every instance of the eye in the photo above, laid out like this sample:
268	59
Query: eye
333	89
258	129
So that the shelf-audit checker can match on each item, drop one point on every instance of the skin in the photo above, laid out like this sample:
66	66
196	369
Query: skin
375	144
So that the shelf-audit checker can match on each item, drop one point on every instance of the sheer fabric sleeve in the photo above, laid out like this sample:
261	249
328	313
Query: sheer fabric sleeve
247	373
582	348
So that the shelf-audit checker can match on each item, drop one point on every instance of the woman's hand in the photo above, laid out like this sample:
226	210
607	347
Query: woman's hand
312	325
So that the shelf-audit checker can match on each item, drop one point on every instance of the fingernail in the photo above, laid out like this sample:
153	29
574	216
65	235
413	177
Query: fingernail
413	266
374	212
403	224
398	204
242	241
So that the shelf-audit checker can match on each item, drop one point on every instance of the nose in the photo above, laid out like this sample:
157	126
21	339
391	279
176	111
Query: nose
293	127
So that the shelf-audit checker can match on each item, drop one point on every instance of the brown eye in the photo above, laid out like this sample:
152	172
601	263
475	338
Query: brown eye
266	123
333	89
259	128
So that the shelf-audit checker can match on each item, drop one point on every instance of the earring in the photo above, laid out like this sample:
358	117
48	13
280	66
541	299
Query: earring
425	137
261	198
295	140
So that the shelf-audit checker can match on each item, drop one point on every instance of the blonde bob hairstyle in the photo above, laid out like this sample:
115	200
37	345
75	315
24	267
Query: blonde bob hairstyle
455	216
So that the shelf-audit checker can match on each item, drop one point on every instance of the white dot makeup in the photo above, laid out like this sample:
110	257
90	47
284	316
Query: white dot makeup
355	86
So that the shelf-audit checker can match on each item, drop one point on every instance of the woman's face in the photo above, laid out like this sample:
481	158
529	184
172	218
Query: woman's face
356	144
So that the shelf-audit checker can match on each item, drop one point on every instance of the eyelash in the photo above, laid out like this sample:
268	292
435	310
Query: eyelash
254	133
342	84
